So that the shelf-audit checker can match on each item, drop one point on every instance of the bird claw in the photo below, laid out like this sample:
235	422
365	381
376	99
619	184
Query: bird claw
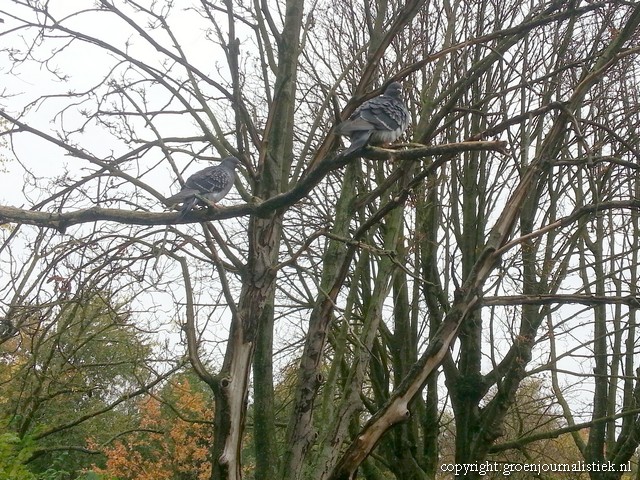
206	201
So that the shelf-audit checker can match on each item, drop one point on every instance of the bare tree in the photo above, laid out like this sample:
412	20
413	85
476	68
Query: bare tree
463	252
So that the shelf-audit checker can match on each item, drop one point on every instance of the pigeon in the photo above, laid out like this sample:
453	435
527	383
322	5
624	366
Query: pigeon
211	184
380	120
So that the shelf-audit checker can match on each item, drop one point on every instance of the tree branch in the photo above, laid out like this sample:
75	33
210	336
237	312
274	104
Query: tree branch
61	221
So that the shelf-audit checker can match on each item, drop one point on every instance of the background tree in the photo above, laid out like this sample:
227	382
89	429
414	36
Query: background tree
366	275
66	376
173	444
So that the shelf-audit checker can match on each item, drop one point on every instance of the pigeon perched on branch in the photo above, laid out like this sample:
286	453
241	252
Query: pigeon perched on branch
383	119
208	186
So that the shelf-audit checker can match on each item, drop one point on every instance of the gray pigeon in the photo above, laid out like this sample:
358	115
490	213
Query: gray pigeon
382	119
211	183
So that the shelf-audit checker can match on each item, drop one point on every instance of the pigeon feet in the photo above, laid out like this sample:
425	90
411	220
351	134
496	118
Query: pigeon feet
205	201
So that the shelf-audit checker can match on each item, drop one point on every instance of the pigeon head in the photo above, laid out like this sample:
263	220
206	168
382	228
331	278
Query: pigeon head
230	162
394	90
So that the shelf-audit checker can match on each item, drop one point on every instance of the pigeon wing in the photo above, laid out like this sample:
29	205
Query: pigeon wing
381	119
381	114
212	182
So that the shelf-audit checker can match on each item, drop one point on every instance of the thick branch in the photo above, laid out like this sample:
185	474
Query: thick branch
520	442
629	300
61	221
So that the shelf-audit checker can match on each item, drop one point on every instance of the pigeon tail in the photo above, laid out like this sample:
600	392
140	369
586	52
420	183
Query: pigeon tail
180	197
358	140
187	207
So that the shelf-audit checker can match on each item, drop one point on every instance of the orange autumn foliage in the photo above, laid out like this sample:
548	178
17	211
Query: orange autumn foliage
166	447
